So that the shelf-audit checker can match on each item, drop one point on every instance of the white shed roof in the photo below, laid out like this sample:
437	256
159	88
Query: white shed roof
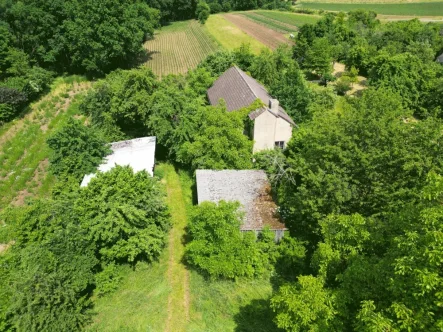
139	153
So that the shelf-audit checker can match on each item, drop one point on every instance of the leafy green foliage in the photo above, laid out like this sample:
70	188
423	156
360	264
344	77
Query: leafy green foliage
202	12
125	215
48	271
304	306
219	142
343	162
76	150
118	104
218	249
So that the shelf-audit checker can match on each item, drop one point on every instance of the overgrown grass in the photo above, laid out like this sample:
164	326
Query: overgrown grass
139	304
22	154
229	36
408	9
297	20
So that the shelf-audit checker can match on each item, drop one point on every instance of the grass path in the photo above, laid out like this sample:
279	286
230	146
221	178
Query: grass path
177	274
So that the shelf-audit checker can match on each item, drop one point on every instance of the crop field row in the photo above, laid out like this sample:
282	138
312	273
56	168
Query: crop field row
24	152
175	51
293	19
409	9
272	24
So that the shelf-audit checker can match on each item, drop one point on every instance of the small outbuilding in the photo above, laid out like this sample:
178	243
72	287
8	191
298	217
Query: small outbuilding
139	153
251	188
272	126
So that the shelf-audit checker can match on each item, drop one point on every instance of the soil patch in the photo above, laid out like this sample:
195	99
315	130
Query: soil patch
263	34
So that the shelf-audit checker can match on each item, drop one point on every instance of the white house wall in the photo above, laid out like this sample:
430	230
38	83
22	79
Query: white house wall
264	131
283	130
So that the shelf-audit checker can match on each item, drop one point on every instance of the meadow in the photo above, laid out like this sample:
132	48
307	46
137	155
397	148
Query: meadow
407	9
178	47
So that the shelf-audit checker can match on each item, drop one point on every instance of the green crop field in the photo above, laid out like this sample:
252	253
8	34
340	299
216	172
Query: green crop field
408	9
179	47
288	18
271	24
23	149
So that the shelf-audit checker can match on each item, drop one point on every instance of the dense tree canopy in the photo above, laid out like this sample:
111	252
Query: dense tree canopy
125	215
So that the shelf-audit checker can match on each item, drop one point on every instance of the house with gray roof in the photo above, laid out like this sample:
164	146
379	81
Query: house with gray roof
139	153
272	126
251	188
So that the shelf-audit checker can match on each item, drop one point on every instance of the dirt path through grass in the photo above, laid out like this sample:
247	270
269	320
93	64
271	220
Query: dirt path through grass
177	274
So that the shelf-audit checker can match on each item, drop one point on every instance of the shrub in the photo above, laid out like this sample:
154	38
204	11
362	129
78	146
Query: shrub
219	250
11	103
125	214
76	150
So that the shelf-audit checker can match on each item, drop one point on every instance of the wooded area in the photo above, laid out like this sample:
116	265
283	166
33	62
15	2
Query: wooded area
359	185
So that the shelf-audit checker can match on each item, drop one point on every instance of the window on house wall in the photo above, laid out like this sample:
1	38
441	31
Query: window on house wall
280	144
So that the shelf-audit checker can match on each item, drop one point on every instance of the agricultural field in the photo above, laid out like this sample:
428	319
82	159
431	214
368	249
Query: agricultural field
229	35
290	19
23	150
263	34
407	9
179	47
269	23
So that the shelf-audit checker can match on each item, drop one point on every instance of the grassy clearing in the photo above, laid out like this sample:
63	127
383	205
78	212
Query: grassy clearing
24	153
230	306
294	19
139	304
178	275
228	35
179	47
408	9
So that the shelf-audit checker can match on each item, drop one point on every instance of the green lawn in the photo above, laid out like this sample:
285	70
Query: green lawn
228	35
412	9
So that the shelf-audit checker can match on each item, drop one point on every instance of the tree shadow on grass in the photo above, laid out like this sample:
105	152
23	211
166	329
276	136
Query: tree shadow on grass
256	316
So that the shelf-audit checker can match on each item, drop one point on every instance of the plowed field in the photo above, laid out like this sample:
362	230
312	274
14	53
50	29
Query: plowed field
263	34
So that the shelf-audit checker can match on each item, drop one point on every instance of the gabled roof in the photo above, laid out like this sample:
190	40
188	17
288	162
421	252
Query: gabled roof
250	187
440	58
138	153
240	90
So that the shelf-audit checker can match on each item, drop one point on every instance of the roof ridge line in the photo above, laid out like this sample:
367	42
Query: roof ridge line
238	70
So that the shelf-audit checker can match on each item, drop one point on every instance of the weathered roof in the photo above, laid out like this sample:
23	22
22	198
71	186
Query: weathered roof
138	153
250	187
240	90
440	58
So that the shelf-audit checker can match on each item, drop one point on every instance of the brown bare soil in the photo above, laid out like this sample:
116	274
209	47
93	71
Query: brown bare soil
263	34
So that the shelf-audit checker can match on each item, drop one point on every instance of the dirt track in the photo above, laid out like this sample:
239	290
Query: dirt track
263	34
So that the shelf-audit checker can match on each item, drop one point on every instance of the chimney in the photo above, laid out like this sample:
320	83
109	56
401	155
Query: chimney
273	105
